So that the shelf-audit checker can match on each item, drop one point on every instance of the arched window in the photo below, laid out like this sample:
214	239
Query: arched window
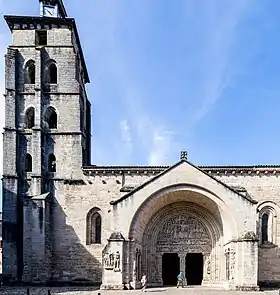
30	118
267	225
52	73
29	73
51	118
28	163
264	228
94	226
52	163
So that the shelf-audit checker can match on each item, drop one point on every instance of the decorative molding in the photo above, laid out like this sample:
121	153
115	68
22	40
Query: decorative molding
211	170
35	22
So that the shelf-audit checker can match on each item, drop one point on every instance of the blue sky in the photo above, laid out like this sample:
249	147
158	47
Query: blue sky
166	76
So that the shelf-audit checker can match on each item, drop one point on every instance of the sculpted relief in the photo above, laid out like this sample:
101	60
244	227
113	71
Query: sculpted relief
183	232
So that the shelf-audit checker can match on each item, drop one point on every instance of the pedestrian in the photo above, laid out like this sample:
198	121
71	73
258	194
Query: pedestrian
180	278
144	283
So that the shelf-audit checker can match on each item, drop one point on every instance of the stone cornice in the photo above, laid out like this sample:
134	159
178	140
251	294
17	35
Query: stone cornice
153	170
34	22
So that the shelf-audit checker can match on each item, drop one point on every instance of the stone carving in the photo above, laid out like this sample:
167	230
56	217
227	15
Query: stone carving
108	260
208	264
184	155
181	232
117	261
227	254
111	259
134	271
232	264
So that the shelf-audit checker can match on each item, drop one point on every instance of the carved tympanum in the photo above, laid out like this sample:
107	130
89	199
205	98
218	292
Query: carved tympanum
183	231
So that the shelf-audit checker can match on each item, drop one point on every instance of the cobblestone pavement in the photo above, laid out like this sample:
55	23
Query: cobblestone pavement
153	291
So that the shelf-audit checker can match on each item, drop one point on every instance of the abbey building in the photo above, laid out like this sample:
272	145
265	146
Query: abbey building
65	220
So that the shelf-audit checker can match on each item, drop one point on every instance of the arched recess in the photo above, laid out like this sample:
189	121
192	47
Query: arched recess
51	72
50	117
267	224
28	163
192	202
29	118
29	72
183	192
93	226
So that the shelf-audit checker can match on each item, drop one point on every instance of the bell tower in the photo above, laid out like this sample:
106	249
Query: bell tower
52	8
46	135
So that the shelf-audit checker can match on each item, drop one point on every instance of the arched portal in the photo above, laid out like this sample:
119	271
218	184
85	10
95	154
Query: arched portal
184	229
185	224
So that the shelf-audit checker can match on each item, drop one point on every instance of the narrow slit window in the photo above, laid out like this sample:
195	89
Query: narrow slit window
97	237
52	74
264	228
28	163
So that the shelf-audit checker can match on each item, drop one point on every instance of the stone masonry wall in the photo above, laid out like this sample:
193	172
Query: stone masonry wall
100	189
263	188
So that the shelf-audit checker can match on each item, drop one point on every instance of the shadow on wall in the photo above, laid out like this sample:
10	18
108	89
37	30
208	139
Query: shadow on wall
268	257
269	261
72	263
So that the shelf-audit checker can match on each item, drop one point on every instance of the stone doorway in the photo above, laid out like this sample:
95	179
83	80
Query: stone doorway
170	268
194	268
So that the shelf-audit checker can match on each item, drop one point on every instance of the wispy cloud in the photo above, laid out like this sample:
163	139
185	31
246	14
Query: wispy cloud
144	131
160	148
156	98
127	144
215	27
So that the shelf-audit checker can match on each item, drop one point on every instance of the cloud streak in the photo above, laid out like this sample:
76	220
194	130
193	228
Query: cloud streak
216	26
207	65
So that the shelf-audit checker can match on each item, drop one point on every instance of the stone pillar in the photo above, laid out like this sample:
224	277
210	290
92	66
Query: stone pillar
248	263
12	206
158	274
112	263
182	258
37	134
250	266
36	246
206	269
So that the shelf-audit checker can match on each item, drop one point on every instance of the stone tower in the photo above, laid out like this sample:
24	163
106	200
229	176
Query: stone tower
46	135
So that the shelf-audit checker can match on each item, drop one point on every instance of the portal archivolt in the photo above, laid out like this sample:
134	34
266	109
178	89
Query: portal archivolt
182	228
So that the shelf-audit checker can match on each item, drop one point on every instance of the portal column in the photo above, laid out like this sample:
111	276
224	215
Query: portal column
182	258
206	269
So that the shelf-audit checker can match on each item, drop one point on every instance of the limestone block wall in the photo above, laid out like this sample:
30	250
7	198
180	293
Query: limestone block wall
72	257
74	201
264	188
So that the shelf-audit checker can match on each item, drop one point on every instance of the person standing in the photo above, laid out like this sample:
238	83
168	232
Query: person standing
144	283
180	279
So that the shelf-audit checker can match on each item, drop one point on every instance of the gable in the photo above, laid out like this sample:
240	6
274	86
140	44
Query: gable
184	169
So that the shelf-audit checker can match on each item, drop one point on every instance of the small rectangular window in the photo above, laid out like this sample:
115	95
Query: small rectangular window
41	38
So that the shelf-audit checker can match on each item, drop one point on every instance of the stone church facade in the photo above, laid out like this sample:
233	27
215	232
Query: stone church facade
65	220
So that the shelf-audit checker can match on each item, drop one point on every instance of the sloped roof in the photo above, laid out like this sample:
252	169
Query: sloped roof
235	190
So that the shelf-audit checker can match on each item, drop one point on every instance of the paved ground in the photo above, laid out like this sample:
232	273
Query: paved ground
155	291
